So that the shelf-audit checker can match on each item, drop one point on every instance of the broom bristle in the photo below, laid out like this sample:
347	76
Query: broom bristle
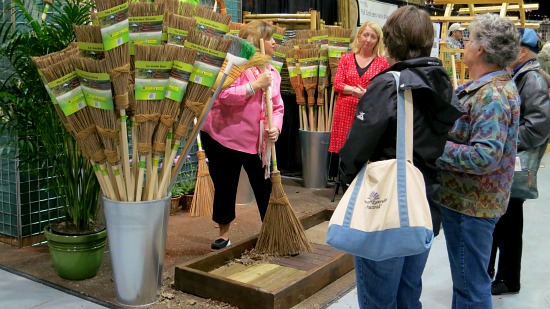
203	199
281	233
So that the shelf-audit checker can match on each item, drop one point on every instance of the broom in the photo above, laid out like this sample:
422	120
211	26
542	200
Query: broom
338	43
177	28
145	23
281	233
211	22
115	42
321	89
183	59
96	86
279	35
296	83
234	28
309	66
90	43
239	53
203	199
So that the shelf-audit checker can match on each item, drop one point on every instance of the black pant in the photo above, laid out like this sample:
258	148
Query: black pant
224	165
507	238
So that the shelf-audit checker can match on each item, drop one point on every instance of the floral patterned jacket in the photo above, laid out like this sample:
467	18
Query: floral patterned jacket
478	161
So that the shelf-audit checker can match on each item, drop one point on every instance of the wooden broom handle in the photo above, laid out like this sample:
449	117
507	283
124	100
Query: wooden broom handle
269	108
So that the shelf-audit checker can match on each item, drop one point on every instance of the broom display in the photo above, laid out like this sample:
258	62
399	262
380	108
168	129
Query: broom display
203	200
339	40
309	66
281	233
322	84
296	83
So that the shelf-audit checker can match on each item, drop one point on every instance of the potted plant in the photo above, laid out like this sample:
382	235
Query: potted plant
28	115
176	193
188	189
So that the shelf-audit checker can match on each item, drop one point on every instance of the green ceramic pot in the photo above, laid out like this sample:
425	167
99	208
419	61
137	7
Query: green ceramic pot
76	257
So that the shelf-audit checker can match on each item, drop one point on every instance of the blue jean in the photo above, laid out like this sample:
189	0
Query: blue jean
392	283
469	240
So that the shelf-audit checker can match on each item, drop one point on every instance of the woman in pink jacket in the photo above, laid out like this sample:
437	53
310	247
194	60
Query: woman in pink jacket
236	133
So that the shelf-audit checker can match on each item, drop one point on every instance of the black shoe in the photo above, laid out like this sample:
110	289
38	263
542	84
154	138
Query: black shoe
500	288
220	243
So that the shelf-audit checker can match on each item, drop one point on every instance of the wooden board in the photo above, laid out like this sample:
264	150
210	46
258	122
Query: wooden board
281	282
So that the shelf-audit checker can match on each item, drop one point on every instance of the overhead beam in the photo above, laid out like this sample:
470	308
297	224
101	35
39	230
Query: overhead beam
438	2
495	9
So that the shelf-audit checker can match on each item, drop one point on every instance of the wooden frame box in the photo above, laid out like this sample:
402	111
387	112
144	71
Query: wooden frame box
279	283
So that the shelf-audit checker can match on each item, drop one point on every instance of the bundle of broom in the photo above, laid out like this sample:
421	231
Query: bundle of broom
203	199
152	73
309	66
239	54
210	22
296	83
207	65
145	23
281	233
89	41
183	59
339	40
65	85
117	54
96	86
234	28
178	7
177	28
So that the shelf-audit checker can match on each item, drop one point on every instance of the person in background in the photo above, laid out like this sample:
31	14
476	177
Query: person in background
534	129
478	161
236	133
355	70
544	60
408	37
455	36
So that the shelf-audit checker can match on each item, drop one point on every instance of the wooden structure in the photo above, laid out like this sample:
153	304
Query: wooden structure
299	21
276	283
474	7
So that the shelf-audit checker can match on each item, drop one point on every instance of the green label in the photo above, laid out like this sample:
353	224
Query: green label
207	66
146	30
68	93
211	27
292	70
96	168
93	50
152	79
116	171
322	70
177	36
179	78
278	60
142	164
114	26
279	38
236	32
169	135
337	52
97	89
321	40
309	67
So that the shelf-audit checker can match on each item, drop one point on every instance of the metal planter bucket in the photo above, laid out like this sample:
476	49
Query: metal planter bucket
245	195
314	147
137	241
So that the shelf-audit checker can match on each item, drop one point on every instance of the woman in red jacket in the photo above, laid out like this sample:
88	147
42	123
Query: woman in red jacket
355	70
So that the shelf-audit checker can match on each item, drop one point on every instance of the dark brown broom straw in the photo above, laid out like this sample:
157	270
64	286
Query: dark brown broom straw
103	115
152	73
79	120
203	200
338	44
321	88
281	233
177	86
296	83
309	65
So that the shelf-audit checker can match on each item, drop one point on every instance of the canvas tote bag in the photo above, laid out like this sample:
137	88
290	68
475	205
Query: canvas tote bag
385	213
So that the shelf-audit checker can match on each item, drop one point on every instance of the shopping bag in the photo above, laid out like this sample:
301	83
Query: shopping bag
385	212
524	185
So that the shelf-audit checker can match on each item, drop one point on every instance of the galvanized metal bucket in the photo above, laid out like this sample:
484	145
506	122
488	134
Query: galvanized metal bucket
314	147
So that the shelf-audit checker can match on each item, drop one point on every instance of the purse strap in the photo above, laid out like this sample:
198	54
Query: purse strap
404	144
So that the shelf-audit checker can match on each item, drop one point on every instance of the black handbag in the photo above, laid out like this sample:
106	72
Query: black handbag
524	185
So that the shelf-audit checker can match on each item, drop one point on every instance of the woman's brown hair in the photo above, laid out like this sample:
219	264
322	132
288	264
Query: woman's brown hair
408	33
256	30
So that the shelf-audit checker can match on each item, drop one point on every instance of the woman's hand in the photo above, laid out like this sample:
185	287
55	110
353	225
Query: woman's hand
272	134
263	81
358	92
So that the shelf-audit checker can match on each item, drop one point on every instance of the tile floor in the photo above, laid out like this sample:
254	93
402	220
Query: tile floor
18	291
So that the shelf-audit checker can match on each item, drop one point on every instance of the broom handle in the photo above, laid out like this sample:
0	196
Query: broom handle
269	108
99	176
325	93
141	175
107	180
167	152
119	182
163	186
153	186
453	65
199	143
135	156
126	155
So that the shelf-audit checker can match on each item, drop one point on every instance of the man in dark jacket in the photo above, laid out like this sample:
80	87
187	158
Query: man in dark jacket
534	128
408	36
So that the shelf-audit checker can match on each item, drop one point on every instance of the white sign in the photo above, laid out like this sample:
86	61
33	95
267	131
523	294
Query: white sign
375	11
435	47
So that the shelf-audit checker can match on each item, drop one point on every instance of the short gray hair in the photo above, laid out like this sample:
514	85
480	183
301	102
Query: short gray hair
498	36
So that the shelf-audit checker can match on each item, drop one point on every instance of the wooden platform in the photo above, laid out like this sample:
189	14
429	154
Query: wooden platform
278	283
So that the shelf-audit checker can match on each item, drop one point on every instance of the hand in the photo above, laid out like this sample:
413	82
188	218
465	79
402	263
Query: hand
358	92
263	81
272	134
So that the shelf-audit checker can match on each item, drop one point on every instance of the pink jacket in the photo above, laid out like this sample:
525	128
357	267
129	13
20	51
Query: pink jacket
234	120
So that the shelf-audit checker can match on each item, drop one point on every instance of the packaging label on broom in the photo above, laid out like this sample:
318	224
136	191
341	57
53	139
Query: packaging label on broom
309	67
279	38
179	78
292	69
207	64
68	93
319	40
145	30
236	32
97	89
323	63
114	26
177	36
338	46
211	27
93	50
278	60
152	79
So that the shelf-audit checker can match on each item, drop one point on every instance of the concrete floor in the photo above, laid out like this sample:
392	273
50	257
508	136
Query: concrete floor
27	279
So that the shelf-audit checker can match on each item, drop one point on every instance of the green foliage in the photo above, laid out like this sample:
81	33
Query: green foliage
183	187
27	113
